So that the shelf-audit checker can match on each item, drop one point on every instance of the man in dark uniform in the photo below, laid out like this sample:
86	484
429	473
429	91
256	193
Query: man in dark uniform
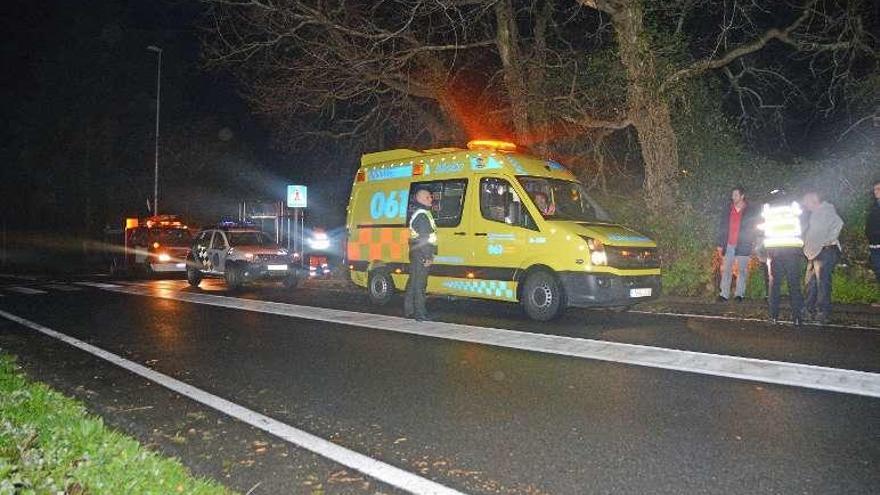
422	248
783	243
872	230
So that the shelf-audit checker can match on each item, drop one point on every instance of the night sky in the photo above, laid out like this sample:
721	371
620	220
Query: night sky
79	97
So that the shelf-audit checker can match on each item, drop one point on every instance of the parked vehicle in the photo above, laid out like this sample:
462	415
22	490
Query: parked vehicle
511	227
239	253
157	244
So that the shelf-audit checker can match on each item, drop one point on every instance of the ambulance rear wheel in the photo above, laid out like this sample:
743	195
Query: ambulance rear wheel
542	296
193	276
381	287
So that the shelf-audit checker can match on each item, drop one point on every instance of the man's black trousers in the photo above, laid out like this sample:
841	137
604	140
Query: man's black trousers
786	264
414	302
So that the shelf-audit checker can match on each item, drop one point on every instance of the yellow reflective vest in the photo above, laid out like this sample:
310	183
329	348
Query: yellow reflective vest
415	238
782	226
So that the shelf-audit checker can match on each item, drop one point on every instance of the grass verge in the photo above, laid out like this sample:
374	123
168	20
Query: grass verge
50	444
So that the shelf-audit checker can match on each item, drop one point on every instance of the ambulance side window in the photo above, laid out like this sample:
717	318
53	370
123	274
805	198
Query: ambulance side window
499	202
447	200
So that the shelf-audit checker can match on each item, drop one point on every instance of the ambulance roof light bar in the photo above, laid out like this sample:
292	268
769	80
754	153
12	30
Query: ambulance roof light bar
492	144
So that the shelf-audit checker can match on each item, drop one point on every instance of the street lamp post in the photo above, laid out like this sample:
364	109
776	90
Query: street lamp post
158	50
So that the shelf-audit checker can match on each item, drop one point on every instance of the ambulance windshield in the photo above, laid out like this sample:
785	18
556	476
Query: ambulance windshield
558	199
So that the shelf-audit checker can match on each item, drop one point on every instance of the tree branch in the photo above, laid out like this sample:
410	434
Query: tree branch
707	64
588	122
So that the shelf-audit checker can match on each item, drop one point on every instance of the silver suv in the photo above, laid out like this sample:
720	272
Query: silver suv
239	255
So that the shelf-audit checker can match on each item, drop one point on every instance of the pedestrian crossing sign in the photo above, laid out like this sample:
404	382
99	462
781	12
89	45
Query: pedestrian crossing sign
296	196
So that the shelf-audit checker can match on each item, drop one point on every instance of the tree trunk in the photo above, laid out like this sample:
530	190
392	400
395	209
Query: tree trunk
537	72
507	39
646	108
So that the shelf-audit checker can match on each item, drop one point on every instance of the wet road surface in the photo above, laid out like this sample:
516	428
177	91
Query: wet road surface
472	417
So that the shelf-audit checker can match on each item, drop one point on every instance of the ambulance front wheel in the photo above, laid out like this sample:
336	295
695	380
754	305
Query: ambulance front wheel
381	287
542	296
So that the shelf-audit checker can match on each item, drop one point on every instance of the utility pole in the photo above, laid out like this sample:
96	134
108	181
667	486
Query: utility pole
158	50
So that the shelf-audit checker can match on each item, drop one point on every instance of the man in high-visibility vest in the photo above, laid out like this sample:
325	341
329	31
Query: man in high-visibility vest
783	243
422	248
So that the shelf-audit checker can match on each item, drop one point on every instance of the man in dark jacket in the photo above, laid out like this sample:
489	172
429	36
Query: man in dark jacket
422	248
736	238
872	231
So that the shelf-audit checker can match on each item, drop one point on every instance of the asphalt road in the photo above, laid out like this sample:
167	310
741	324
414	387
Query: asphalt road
476	418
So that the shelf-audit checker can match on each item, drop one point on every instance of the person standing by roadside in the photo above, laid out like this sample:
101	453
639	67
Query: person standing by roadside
735	242
872	231
783	244
822	249
422	248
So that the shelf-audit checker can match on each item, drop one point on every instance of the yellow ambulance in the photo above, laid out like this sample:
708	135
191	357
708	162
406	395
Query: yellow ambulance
511	227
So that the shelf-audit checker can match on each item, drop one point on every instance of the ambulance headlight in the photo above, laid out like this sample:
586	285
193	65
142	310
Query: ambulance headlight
598	256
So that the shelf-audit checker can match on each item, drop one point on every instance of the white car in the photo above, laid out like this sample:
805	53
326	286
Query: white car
239	255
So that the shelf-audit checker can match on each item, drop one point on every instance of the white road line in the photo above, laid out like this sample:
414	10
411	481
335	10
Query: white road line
367	465
17	277
740	318
25	290
97	285
62	287
760	370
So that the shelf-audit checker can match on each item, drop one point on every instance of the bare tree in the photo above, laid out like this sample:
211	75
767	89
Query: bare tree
356	68
434	71
828	36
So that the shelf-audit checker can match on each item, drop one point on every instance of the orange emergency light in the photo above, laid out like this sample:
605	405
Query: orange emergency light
493	144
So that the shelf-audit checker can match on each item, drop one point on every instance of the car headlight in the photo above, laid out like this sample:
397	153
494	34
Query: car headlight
164	258
319	243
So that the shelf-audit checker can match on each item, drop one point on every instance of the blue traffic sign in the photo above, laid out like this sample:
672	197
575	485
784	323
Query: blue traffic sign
296	196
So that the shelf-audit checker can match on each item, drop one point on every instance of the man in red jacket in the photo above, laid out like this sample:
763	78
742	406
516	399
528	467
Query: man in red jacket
736	238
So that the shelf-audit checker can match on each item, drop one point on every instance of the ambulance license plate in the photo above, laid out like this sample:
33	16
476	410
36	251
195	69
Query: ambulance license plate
278	268
644	292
